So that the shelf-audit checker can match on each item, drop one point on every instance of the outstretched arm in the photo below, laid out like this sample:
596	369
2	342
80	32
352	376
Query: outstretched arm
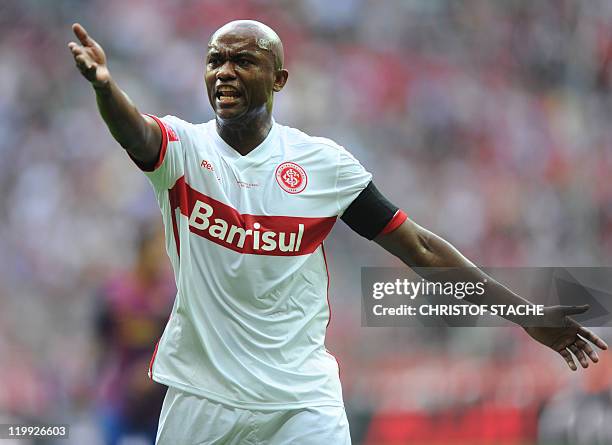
139	135
418	247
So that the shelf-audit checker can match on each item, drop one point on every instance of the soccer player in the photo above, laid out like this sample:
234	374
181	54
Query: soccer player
246	205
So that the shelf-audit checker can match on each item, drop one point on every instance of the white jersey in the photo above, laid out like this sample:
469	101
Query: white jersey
244	235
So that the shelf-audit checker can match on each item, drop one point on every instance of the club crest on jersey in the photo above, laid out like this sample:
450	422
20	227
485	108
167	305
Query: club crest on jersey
291	177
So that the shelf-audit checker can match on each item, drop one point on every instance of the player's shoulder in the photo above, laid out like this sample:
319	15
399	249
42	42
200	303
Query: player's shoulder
169	119
188	129
321	147
175	120
300	140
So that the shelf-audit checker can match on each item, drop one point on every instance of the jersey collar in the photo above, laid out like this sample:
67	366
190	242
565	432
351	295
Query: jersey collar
258	155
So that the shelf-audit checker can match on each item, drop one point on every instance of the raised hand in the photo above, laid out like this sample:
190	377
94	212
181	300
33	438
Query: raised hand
89	57
140	136
566	336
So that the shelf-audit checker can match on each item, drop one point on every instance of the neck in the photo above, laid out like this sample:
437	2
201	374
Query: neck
246	133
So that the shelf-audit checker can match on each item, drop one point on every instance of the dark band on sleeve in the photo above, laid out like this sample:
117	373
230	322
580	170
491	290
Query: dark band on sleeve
371	214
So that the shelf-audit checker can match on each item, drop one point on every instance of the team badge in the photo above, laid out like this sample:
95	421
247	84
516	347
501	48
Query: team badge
291	177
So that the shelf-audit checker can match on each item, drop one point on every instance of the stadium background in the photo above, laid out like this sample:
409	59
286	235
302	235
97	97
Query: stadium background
488	122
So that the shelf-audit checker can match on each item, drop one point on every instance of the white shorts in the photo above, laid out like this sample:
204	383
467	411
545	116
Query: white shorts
187	419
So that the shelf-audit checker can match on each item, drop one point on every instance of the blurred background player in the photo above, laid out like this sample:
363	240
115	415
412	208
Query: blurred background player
132	310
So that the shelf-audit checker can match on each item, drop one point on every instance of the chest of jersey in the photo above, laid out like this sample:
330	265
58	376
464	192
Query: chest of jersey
280	203
287	183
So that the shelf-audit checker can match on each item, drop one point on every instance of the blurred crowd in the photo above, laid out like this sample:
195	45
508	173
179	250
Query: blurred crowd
487	122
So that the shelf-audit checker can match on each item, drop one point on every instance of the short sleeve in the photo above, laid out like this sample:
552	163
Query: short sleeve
170	164
351	180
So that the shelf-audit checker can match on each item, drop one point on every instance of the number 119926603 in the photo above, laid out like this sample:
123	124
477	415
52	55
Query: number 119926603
21	431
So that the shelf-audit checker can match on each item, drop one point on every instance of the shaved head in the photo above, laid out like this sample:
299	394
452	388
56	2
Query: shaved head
264	36
244	68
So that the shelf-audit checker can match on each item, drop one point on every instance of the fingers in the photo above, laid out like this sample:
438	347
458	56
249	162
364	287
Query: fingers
568	359
75	49
581	349
592	337
575	310
579	355
82	35
87	68
85	63
588	350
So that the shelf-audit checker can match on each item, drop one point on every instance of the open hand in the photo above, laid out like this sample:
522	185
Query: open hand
89	57
566	336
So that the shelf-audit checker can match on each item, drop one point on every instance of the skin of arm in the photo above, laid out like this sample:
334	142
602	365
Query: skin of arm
418	247
139	135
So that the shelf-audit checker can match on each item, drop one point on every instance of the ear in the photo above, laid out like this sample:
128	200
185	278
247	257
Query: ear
280	79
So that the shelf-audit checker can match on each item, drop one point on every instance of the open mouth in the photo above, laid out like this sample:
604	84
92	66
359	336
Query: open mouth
227	95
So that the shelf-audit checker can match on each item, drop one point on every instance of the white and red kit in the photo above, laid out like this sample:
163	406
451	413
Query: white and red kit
244	235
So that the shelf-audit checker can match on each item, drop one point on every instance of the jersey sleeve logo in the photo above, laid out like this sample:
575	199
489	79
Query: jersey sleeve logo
291	177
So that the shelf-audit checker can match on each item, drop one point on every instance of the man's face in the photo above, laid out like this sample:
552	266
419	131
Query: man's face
240	76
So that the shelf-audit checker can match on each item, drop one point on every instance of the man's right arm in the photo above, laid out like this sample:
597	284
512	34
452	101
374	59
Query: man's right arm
139	135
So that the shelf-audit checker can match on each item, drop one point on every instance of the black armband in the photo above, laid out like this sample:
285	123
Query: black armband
371	214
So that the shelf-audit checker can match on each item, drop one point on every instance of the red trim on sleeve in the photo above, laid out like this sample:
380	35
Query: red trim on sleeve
164	142
162	150
397	220
153	360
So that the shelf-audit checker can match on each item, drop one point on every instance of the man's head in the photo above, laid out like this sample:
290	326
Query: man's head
244	67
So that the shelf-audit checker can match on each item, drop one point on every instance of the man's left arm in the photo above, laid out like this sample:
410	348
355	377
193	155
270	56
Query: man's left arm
418	247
